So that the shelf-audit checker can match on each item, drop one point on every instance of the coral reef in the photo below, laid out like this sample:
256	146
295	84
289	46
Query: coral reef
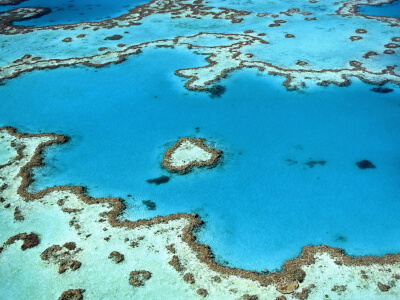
116	257
188	153
29	240
63	258
72	295
138	278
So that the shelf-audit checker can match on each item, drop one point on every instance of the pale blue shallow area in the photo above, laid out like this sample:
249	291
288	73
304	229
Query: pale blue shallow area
73	11
259	208
387	10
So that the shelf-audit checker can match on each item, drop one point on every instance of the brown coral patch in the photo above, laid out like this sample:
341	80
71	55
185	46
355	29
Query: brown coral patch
134	244
202	292
67	40
369	54
301	63
72	295
114	37
188	277
62	256
355	38
355	64
392	45
250	297
338	288
361	31
18	214
396	39
171	248
138	278
383	287
288	36
29	240
389	51
116	257
176	263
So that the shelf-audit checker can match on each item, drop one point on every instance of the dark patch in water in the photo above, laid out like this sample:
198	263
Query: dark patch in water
159	180
341	238
365	164
291	162
216	91
312	163
197	129
150	205
381	90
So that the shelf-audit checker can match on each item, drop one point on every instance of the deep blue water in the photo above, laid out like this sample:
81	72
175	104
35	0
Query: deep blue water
388	10
260	207
73	11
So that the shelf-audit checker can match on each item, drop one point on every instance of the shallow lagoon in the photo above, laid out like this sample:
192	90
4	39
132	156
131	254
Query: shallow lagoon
264	202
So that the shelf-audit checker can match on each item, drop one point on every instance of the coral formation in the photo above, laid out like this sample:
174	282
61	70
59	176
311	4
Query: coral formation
188	153
63	258
138	278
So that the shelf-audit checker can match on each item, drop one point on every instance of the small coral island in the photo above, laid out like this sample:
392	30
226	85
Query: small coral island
188	153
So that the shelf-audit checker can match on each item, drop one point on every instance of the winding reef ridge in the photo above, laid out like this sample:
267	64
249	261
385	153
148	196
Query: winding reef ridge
97	44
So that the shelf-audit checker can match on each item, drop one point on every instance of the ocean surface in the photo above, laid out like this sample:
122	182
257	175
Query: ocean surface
265	200
388	10
288	177
73	11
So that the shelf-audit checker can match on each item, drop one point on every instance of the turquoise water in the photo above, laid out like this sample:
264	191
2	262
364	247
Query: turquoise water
264	202
73	11
387	10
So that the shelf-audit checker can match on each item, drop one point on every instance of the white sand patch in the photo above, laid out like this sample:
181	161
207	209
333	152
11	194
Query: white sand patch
187	153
